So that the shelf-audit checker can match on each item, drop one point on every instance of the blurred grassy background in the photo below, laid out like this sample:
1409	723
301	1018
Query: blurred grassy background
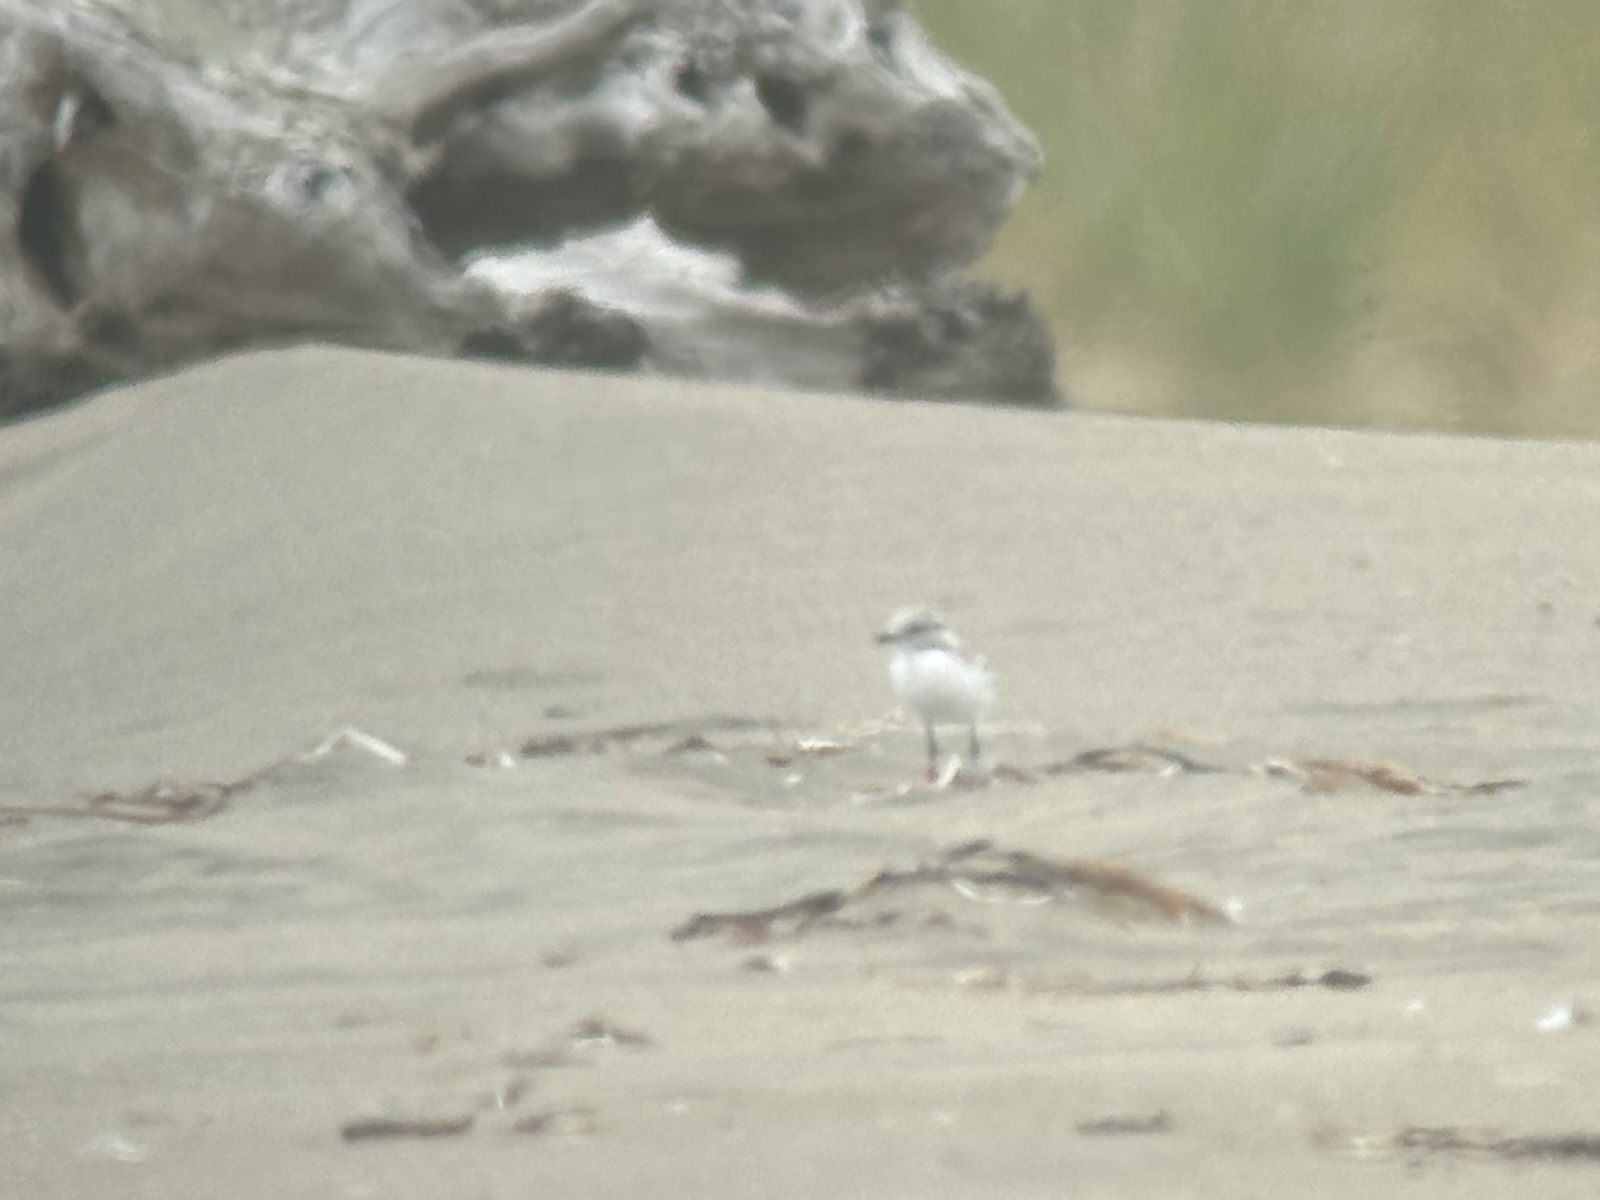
1359	212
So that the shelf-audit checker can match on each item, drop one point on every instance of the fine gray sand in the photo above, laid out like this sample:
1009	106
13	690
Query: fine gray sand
659	590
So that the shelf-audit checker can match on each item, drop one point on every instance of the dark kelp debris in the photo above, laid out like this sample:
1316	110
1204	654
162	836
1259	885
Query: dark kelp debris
979	871
1325	775
156	804
1120	1125
566	1050
807	747
510	1093
539	1060
1554	1146
676	738
757	925
165	803
1315	775
695	743
593	1031
363	1129
1338	979
1420	1141
1136	756
579	1119
1014	774
679	737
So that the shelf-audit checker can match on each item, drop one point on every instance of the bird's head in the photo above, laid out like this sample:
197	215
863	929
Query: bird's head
916	627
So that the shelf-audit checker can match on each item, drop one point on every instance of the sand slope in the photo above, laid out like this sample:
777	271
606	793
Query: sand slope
208	574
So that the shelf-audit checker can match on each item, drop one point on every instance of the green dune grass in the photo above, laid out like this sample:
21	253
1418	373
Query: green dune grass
1353	212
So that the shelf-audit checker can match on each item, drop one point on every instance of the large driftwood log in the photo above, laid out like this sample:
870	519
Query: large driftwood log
779	192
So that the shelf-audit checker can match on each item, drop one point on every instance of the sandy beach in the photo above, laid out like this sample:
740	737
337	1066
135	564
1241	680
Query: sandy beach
372	724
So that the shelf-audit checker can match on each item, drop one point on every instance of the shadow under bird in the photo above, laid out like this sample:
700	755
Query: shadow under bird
935	681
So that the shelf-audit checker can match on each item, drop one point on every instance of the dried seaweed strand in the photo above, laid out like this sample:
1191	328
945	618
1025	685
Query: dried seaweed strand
757	923
970	863
1337	979
1132	757
156	804
164	803
1575	1146
364	1129
597	741
1321	776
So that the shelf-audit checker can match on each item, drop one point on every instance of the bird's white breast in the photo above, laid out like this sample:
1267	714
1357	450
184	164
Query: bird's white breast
941	687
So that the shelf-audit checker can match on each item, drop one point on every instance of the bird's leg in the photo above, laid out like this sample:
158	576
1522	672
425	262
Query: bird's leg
973	752
933	754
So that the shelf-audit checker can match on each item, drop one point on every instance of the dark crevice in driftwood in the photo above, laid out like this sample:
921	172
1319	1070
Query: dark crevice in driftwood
44	229
464	206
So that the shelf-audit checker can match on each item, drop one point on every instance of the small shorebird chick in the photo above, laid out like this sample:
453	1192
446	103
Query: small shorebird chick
935	681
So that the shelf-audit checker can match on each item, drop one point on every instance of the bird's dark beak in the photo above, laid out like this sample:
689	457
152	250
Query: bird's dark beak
884	637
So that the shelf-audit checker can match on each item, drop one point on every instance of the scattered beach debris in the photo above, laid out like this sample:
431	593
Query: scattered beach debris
1315	775
1561	1017
365	1129
502	759
502	1104
1014	774
672	739
567	1049
758	925
538	1060
1025	877
995	979
1341	980
155	804
807	747
167	803
510	1094
1136	756
548	745
1550	1146
1418	1141
578	1120
115	1146
678	737
560	956
1294	1037
694	743
600	1031
976	870
357	739
768	964
684	737
988	979
1324	775
951	773
1122	1125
